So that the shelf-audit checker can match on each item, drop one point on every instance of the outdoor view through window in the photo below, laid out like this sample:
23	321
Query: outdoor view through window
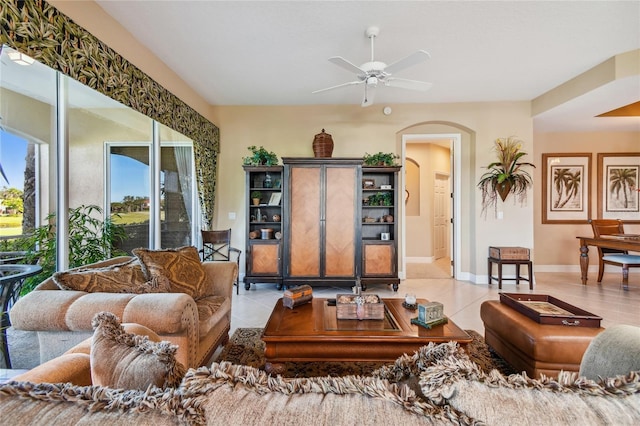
13	161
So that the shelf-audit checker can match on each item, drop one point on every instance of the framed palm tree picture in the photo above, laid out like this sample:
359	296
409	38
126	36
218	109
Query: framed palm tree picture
618	196
566	187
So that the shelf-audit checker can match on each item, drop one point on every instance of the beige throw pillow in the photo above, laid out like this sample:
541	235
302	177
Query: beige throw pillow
181	266
126	277
121	360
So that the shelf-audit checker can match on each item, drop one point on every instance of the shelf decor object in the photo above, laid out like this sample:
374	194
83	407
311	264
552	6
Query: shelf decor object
322	145
260	157
380	159
297	296
359	307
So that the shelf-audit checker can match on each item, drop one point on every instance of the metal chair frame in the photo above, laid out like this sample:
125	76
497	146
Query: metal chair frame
216	246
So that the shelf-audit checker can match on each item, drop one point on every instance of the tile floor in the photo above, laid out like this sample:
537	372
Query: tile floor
462	299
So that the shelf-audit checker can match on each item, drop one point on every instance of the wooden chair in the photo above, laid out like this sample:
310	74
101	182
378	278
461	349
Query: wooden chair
612	256
216	246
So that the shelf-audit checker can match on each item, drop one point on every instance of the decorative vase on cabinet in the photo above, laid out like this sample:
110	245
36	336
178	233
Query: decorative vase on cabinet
263	259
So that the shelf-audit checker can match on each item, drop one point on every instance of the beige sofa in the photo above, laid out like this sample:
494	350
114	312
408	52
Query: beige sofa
437	385
62	318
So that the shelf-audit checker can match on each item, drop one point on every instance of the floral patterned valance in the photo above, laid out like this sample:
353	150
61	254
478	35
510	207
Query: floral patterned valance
39	30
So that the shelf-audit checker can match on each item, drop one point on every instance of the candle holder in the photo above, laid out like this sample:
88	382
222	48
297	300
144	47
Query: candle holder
410	302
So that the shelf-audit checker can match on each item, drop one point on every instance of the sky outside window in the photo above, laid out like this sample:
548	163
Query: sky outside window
13	151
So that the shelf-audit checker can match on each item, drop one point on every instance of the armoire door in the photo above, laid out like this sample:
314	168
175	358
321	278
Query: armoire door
339	219
304	219
322	241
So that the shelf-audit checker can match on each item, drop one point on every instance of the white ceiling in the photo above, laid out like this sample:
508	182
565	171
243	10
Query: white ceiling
275	52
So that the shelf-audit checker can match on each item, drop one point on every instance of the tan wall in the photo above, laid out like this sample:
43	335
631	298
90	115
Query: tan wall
289	131
556	244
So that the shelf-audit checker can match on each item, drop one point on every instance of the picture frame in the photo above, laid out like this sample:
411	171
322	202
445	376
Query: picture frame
275	198
566	187
368	183
618	196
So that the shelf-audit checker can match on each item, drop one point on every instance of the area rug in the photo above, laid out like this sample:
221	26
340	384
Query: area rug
246	348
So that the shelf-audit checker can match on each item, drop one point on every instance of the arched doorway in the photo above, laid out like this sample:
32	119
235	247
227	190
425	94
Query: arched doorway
447	154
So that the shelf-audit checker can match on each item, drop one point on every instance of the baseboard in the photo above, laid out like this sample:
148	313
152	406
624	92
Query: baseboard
428	259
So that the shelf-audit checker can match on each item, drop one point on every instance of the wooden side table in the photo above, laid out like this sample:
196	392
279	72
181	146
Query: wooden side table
517	262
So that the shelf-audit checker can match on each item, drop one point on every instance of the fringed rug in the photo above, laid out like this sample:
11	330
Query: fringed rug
246	348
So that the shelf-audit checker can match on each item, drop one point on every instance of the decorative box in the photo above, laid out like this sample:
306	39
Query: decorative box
371	309
509	253
297	296
429	325
546	309
431	311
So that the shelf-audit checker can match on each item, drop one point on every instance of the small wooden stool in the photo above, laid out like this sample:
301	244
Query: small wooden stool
517	279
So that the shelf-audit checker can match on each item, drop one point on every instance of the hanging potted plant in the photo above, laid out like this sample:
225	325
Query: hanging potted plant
260	157
506	175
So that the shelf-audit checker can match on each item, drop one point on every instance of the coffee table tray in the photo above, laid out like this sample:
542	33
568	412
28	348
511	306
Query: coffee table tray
333	323
546	309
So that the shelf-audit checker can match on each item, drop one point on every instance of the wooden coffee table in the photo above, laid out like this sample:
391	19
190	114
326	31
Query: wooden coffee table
312	332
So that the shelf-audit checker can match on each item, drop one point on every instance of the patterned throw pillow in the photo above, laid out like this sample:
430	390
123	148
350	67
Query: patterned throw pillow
122	360
181	266
126	277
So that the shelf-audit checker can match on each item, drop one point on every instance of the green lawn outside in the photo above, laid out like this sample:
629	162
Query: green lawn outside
10	225
128	218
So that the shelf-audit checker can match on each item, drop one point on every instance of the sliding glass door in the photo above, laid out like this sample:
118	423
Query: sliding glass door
130	177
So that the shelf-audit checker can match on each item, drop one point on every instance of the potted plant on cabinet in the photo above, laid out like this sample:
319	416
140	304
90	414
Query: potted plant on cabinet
255	197
260	157
506	175
380	159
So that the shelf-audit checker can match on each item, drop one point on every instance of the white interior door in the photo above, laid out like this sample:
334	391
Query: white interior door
440	216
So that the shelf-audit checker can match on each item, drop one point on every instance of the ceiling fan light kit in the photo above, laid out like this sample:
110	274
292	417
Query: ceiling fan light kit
373	72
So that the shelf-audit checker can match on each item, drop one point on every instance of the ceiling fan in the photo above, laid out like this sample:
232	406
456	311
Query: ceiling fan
374	72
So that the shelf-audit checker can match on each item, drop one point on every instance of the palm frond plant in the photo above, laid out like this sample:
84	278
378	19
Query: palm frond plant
505	176
90	240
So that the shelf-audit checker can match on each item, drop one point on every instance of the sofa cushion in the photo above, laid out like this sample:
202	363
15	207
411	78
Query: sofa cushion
613	352
123	360
126	277
448	377
211	310
181	266
242	394
45	404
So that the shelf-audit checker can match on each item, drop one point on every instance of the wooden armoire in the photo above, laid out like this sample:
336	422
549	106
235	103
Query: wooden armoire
322	221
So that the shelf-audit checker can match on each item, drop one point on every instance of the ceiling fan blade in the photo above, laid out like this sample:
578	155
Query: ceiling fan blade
413	59
404	83
343	63
369	95
351	83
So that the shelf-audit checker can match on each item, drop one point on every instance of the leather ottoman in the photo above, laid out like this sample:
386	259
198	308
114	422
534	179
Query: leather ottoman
533	347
